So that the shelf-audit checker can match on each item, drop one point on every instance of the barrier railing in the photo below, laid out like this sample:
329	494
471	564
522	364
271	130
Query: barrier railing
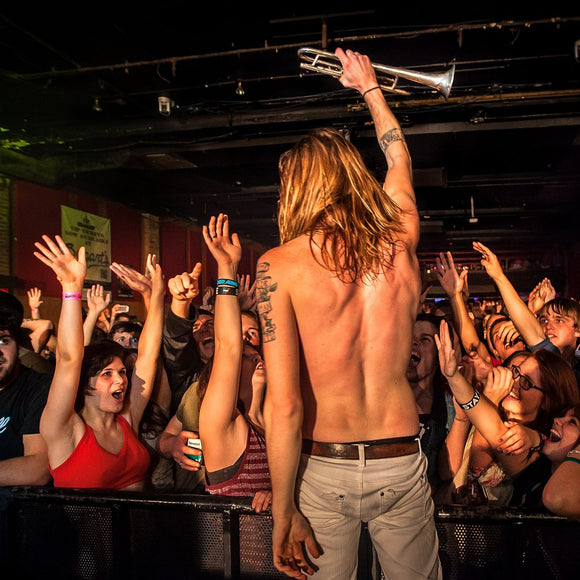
51	533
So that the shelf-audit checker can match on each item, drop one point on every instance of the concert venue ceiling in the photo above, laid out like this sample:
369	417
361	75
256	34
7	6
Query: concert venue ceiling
497	161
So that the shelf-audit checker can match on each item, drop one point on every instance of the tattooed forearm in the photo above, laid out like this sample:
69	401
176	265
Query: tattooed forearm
390	136
264	286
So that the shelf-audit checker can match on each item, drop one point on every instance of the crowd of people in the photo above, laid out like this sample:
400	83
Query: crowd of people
329	367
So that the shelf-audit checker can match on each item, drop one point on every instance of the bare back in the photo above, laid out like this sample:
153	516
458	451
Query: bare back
355	345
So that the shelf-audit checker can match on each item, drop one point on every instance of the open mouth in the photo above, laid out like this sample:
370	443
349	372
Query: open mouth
415	360
512	395
208	340
554	436
119	394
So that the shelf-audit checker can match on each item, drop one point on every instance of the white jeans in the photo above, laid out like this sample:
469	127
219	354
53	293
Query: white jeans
392	495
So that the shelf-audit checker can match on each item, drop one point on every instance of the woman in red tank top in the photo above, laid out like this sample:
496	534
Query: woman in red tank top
91	419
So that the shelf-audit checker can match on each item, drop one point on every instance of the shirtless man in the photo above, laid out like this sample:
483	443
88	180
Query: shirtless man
337	302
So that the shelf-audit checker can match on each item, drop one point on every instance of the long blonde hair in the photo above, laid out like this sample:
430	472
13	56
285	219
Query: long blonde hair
325	188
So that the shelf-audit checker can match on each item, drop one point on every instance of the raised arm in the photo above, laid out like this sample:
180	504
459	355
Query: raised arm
97	302
454	285
57	419
180	353
522	317
481	412
152	288
34	302
359	74
221	426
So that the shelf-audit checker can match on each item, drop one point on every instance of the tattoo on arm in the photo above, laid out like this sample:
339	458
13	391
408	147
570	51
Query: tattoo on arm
264	286
389	137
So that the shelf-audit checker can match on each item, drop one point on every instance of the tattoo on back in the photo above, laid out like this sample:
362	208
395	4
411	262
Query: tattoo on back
389	137
264	287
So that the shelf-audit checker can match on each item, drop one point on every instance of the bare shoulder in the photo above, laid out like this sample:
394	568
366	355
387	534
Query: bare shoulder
282	260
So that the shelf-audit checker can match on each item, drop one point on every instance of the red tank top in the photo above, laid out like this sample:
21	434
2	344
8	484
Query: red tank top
92	467
253	474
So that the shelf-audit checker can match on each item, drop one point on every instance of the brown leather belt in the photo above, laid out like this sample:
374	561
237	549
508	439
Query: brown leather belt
396	447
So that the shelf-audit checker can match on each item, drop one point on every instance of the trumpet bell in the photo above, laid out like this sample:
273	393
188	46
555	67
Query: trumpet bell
388	77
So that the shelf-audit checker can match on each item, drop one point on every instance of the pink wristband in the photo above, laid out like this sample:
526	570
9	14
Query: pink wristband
72	295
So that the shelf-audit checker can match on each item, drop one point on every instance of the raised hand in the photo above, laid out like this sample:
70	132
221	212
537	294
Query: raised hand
488	260
135	280
540	295
357	71
447	356
452	282
34	301
156	287
185	286
97	300
246	296
70	271
226	249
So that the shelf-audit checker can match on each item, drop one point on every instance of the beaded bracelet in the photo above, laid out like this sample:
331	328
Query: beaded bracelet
572	459
226	291
228	282
472	403
72	295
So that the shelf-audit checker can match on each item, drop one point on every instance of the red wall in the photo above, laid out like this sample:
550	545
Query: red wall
36	210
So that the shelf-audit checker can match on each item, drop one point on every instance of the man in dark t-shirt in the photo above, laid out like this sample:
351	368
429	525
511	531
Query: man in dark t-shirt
23	393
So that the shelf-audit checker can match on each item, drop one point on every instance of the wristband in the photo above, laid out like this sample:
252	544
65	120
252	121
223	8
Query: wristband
72	295
226	291
571	459
228	282
539	446
371	89
472	403
34	309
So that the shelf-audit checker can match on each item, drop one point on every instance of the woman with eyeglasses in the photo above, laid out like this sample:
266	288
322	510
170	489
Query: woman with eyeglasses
540	386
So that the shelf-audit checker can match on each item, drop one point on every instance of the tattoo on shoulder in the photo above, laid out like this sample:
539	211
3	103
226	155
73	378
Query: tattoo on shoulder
389	137
264	287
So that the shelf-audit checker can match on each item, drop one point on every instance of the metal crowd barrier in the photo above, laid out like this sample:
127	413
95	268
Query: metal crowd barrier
74	535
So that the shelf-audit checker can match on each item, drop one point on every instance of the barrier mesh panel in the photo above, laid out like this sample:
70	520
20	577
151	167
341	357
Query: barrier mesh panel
63	541
256	548
176	543
100	538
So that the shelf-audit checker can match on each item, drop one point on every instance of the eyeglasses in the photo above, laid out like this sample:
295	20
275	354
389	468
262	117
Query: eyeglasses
525	382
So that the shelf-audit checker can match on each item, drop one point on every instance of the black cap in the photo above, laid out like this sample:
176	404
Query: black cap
11	307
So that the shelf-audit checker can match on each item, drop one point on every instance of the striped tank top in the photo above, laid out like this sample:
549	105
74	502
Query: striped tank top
253	474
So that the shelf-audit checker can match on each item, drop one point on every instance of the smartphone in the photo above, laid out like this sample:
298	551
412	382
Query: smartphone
195	444
122	308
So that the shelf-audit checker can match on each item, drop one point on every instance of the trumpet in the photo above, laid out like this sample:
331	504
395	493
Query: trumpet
388	77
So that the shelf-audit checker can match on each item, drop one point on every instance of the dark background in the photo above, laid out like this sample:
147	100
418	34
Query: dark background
79	88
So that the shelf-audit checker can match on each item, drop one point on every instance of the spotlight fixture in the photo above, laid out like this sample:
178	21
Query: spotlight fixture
165	106
240	89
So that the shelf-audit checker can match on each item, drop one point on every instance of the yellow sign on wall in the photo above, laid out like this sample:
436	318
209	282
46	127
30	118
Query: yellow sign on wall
80	229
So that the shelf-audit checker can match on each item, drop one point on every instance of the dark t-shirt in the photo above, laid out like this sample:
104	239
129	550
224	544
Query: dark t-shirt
21	405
